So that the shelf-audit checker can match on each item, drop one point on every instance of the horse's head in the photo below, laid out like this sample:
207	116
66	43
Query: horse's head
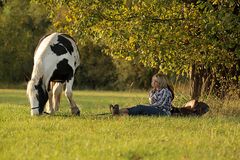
37	96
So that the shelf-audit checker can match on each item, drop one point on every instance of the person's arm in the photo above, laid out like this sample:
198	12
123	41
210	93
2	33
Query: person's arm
162	98
151	94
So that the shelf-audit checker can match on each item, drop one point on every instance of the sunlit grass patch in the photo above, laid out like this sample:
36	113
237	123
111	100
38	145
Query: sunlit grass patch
94	135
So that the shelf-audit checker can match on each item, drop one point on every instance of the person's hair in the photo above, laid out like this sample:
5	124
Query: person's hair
164	82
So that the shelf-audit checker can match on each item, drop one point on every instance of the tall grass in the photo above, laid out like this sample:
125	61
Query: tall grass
94	136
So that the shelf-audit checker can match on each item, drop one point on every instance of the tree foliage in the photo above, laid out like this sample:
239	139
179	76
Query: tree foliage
199	39
132	75
100	71
173	36
97	70
157	33
22	25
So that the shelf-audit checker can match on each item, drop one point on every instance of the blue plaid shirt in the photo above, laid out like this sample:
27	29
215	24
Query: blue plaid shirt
161	99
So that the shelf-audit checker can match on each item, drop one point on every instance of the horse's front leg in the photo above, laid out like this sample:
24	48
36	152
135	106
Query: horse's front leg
68	93
49	105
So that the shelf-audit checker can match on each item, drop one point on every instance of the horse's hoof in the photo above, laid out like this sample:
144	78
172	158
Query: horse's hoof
76	112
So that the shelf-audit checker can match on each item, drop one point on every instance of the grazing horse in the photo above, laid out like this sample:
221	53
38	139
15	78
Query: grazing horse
56	59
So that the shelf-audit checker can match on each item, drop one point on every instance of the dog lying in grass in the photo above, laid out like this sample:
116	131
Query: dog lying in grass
191	108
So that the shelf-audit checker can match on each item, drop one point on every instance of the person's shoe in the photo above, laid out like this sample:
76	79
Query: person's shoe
114	109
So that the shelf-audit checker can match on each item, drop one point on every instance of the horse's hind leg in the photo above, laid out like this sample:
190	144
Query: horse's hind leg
57	90
68	93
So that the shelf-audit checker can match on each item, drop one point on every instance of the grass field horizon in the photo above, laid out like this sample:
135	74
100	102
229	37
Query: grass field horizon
216	135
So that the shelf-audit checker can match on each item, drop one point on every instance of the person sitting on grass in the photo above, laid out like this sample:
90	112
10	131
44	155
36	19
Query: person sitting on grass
160	98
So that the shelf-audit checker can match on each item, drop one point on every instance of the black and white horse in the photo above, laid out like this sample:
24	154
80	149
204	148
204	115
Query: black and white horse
56	59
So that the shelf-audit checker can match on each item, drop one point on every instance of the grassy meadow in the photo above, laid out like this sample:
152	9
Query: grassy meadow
94	135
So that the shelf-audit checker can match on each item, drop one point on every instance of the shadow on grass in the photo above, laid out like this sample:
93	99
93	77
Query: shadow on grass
90	115
99	116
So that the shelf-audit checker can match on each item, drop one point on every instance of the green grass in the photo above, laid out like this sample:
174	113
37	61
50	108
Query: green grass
92	136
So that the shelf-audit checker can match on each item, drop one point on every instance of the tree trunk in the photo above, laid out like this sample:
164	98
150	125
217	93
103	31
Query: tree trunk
195	82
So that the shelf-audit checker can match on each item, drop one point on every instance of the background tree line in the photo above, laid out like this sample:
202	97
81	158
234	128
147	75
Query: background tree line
23	23
124	42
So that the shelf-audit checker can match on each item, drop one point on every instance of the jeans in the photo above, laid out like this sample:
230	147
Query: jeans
146	110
